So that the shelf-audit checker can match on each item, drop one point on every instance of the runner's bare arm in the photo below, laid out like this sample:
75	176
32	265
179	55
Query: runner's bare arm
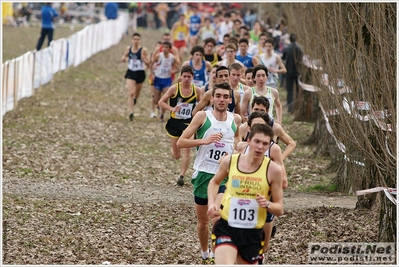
124	56
286	139
277	156
202	103
279	107
185	140
275	176
163	102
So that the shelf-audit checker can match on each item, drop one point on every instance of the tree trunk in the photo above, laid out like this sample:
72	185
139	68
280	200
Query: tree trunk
306	104
387	227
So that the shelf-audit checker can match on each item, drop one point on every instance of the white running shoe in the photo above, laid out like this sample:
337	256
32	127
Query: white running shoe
153	115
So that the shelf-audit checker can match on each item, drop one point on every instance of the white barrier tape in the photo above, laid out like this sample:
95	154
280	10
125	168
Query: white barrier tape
332	112
388	150
389	196
307	87
354	161
376	189
360	105
340	145
388	192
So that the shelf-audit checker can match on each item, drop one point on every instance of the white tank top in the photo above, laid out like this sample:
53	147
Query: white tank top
164	66
207	159
270	62
268	95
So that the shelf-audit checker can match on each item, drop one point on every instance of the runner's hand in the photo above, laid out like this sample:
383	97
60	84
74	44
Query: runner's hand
213	211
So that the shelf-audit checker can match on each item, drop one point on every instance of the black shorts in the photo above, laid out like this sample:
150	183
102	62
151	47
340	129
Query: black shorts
138	76
249	242
175	127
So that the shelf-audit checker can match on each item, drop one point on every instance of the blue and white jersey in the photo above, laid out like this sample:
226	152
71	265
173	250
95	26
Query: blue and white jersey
246	60
195	24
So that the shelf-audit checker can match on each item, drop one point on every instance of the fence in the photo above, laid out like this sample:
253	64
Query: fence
22	75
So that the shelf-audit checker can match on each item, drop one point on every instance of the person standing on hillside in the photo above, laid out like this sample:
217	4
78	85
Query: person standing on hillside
135	75
111	10
48	16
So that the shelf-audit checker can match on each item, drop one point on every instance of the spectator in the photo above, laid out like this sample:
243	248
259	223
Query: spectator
150	15
26	11
292	56
111	10
48	16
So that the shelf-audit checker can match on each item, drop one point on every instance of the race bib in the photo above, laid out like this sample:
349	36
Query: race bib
243	213
165	71
135	64
215	151
185	111
180	36
198	83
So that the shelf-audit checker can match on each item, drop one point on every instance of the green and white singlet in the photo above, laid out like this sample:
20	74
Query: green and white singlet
207	159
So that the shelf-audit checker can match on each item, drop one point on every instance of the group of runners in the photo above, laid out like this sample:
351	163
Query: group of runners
224	102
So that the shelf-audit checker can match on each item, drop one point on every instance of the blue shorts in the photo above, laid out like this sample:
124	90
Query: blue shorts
162	83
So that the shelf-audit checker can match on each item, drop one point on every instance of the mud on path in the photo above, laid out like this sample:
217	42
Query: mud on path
83	185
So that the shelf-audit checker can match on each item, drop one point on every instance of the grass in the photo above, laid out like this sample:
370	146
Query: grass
329	188
18	41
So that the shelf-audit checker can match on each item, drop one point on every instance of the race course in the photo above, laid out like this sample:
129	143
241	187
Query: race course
84	185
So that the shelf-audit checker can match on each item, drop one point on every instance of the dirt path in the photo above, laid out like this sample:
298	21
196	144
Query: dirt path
135	192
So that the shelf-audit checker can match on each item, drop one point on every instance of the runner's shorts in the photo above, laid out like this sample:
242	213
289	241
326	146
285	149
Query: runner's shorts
181	43
175	127
249	242
161	83
138	76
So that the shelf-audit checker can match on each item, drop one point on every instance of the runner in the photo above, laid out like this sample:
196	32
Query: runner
248	78
261	104
195	25
207	31
260	75
182	98
164	67
216	135
248	60
209	54
222	75
274	153
201	67
273	62
162	10
238	234
231	50
259	48
179	32
135	75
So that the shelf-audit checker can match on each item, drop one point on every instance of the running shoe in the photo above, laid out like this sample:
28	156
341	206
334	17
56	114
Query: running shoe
131	116
153	115
161	117
207	261
180	181
211	261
